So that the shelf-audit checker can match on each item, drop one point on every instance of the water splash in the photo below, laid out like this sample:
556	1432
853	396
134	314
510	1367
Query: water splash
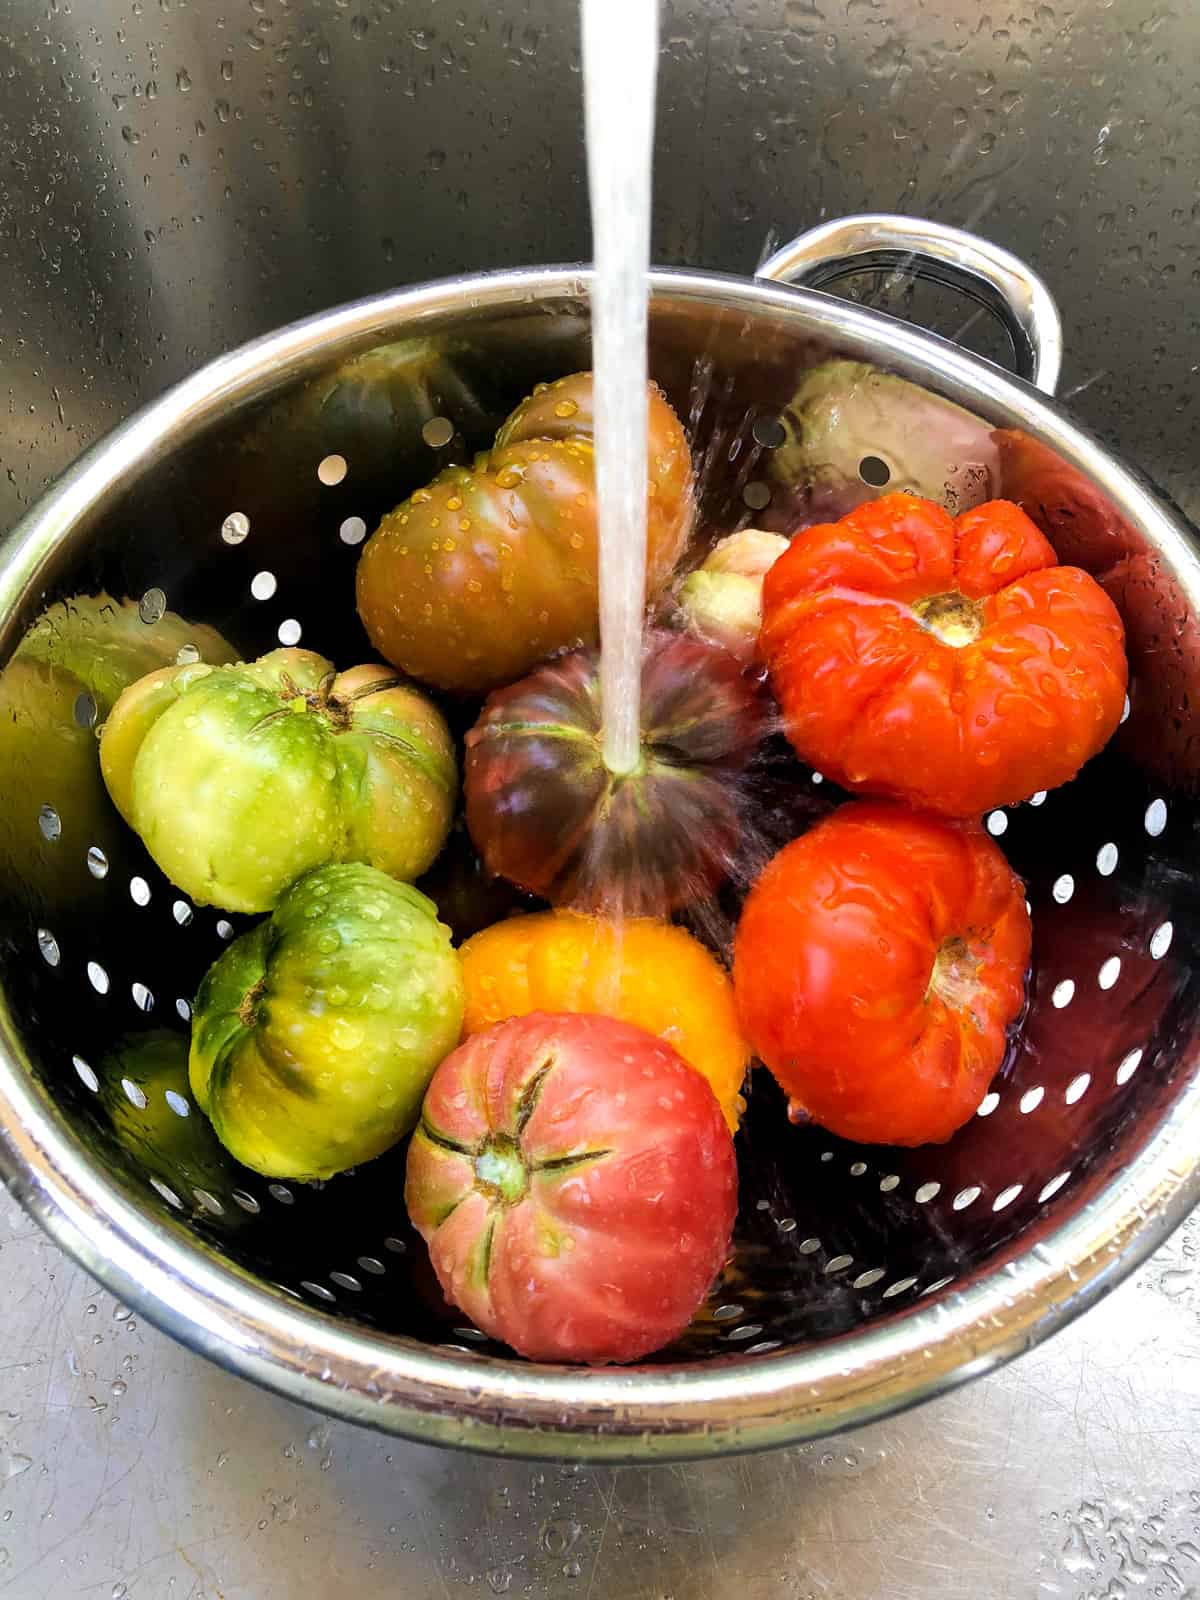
620	57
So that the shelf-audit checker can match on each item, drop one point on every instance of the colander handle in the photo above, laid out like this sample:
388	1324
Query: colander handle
987	274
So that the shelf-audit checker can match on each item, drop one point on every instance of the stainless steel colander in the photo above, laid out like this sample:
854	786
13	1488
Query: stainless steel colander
864	1278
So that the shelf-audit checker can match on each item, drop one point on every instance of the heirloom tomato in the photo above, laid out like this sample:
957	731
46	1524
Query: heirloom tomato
492	567
576	1185
240	779
640	970
547	813
878	963
950	662
315	1034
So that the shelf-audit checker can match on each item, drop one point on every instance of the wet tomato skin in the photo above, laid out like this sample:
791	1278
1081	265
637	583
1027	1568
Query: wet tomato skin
878	964
576	1185
947	661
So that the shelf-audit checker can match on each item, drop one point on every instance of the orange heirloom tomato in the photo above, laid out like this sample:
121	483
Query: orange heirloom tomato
878	963
946	661
645	972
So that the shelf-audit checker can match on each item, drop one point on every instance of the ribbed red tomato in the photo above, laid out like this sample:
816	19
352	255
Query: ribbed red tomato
575	1182
946	661
878	963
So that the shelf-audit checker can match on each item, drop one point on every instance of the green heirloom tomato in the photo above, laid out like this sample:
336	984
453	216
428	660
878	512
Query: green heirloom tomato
106	645
241	779
315	1034
144	1089
64	675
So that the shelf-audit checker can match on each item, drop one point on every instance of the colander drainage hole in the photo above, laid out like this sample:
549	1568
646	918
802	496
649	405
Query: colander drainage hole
1077	1088
280	1192
246	1201
1007	1196
344	1280
97	862
331	470
728	1313
236	527
177	1103
152	607
1031	1099
1110	971
183	1009
938	1283
768	432
97	977
1051	1189
167	1193
139	891
865	1280
437	432
837	1264
318	1289
182	912
134	1093
372	1264
889	1182
289	632
1155	819
966	1197
86	1076
209	1201
352	531
927	1192
1160	940
142	997
224	929
1129	1065
396	1246
1063	888
857	1168
748	1330
756	495
997	823
763	1346
1063	993
48	945
263	585
899	1287
1106	859
49	824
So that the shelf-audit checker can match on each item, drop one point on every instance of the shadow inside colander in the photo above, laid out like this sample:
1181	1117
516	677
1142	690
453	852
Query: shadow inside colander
97	946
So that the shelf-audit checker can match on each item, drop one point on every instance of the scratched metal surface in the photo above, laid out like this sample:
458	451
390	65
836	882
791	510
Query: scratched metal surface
130	1469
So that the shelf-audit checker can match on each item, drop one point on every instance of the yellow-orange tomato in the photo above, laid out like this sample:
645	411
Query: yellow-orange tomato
642	971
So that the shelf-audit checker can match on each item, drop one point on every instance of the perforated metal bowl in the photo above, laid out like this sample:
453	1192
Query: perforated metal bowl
864	1278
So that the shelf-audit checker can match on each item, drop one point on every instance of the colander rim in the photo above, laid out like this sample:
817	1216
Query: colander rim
442	1396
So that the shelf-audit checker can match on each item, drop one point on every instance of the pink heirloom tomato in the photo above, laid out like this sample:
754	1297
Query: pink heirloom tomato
576	1185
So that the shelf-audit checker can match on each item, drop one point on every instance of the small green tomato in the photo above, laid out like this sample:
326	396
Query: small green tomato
315	1035
241	779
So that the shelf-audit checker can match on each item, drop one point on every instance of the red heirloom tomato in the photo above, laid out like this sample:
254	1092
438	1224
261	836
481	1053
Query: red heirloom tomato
946	661
878	963
575	1182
